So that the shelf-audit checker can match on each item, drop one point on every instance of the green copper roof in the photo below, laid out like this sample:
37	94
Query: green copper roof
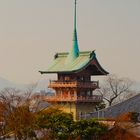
84	59
60	65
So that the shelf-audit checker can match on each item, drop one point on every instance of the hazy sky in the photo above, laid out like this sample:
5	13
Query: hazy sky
32	31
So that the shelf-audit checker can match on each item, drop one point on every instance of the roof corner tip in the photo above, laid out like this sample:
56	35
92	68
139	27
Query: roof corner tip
41	72
93	54
56	55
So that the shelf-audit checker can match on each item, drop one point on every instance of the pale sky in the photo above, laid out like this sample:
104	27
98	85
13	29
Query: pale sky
32	31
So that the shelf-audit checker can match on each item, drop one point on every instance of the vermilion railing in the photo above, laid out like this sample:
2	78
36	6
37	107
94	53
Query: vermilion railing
81	84
94	98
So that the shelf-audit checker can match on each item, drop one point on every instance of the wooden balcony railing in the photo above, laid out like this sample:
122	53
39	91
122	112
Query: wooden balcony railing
94	98
74	84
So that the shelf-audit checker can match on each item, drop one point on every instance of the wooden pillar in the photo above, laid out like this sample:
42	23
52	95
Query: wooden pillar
61	93
69	94
75	94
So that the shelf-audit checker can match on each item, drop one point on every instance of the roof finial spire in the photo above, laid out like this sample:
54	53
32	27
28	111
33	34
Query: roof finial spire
74	52
75	15
75	30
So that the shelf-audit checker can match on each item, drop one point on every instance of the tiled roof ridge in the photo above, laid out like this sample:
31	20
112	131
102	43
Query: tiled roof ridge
65	54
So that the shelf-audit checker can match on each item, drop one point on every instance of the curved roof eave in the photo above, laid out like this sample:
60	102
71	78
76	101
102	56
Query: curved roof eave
80	69
101	68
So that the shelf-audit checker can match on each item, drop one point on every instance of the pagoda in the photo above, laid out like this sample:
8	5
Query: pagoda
74	89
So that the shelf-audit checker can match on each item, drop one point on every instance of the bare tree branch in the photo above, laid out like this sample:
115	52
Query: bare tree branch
115	87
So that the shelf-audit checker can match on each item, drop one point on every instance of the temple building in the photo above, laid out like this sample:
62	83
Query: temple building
74	87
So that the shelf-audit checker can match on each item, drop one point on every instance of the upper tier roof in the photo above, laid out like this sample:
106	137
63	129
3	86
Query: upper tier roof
61	64
75	61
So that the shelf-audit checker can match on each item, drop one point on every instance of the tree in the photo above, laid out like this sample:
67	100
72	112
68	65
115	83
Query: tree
55	123
89	129
123	128
114	88
22	122
59	125
16	113
19	117
8	102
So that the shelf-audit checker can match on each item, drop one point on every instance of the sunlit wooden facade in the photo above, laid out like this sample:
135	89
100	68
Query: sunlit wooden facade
74	87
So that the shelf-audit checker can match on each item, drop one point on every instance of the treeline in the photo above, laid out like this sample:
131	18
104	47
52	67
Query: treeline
22	119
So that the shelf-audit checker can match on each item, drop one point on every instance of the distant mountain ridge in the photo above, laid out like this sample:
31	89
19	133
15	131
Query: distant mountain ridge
41	86
8	84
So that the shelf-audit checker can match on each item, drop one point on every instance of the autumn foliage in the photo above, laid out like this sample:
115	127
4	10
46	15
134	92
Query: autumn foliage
22	120
122	128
